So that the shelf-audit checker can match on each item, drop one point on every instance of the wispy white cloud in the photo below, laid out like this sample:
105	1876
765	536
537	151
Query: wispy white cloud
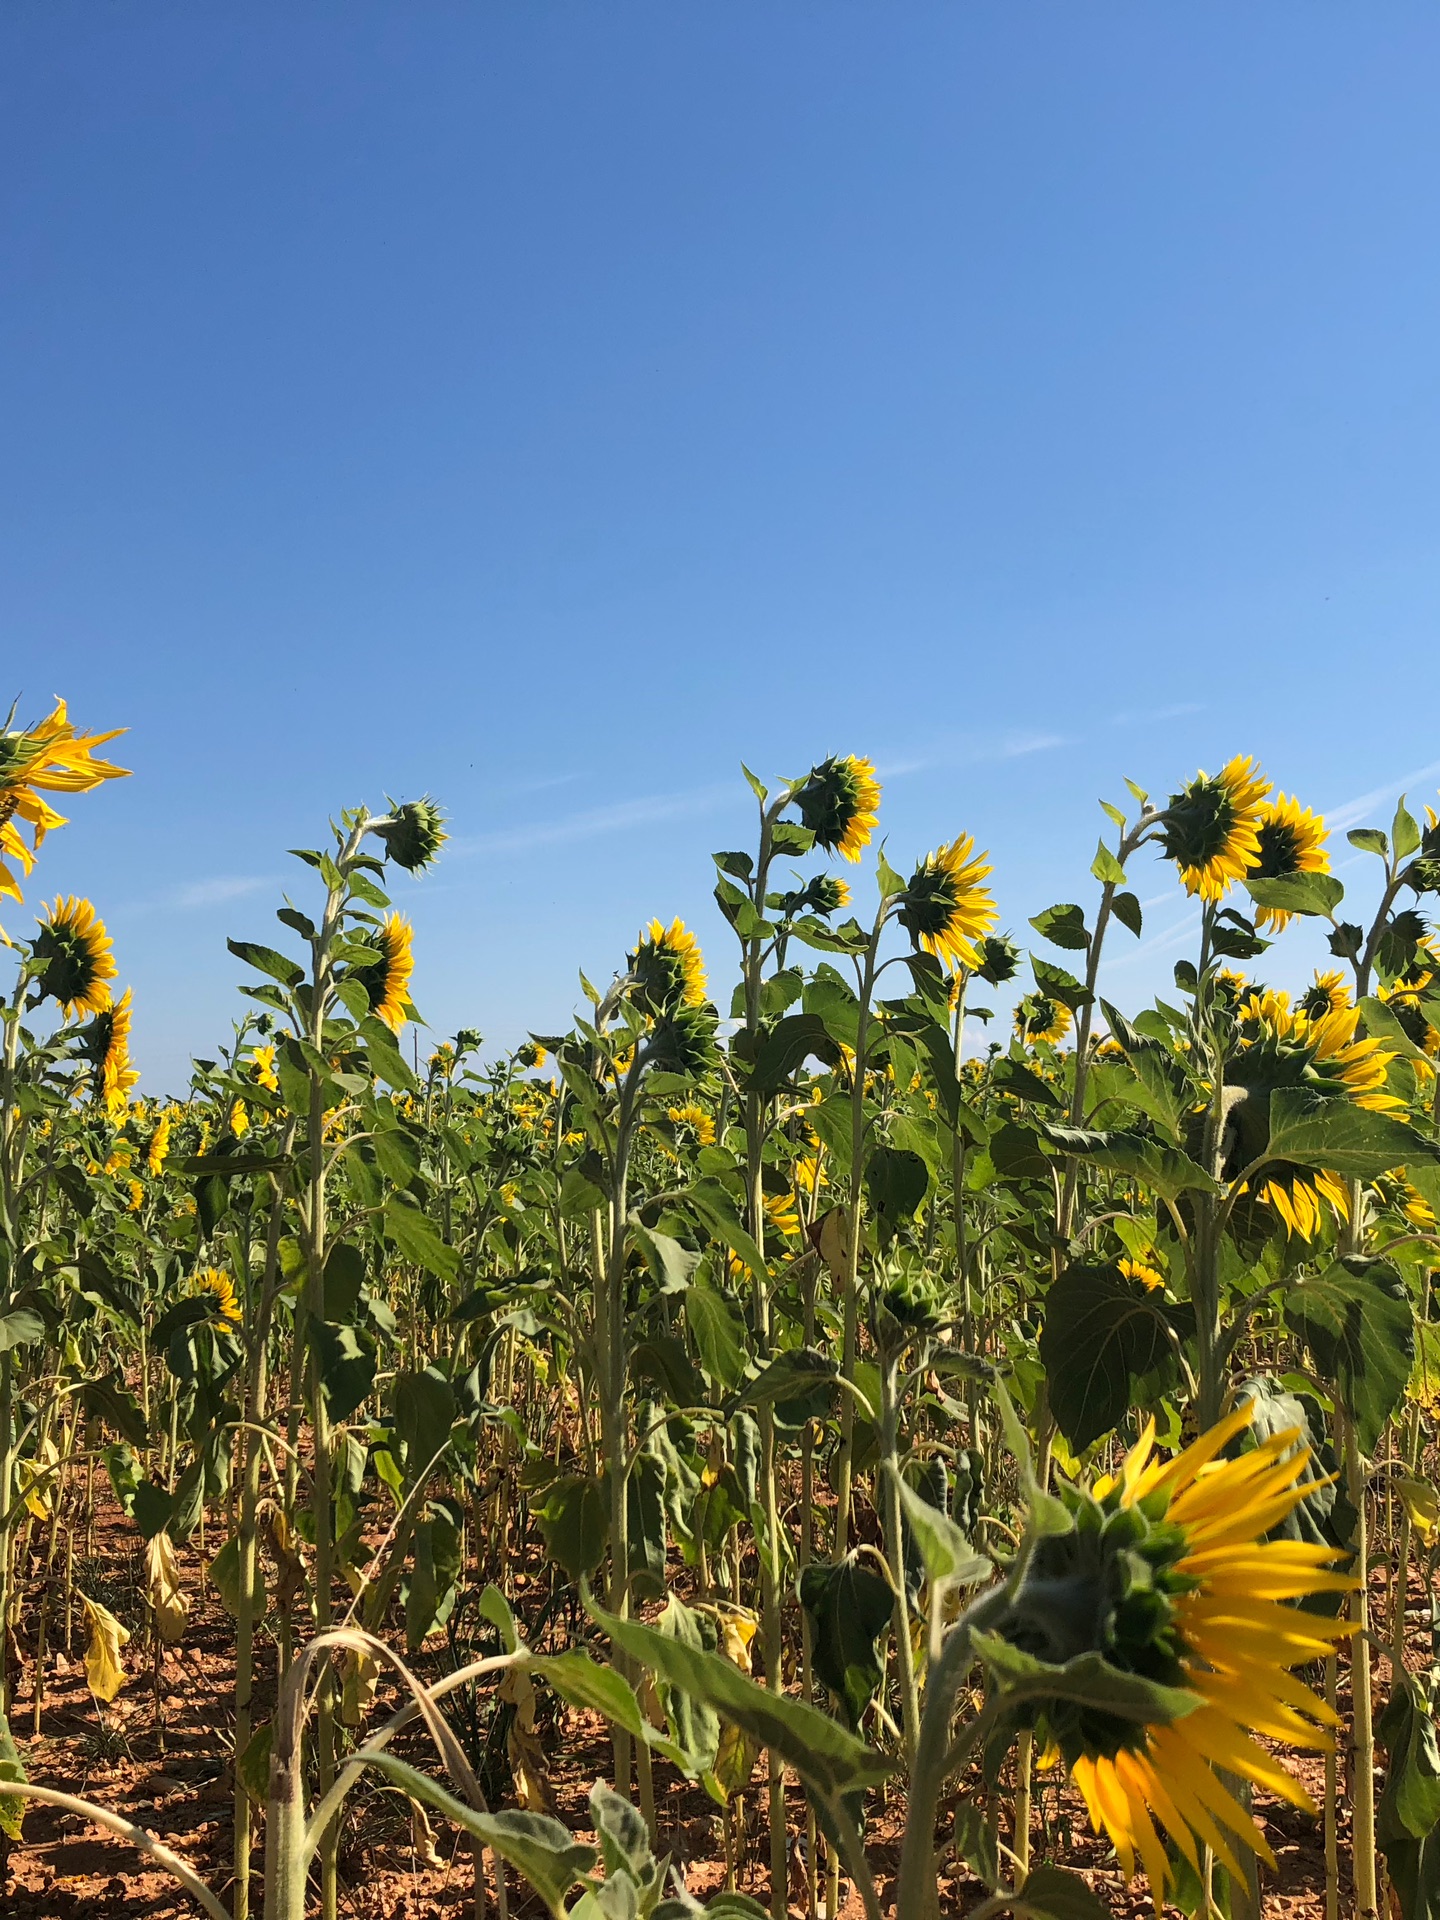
621	817
1161	942
216	891
1350	813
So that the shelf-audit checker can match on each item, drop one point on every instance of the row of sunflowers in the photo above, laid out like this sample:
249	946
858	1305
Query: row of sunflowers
816	1389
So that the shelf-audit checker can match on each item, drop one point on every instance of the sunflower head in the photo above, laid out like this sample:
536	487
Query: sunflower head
262	1069
1290	839
1041	1021
387	980
1171	1575
221	1290
104	1042
413	834
839	802
1327	993
667	968
72	957
531	1054
159	1148
696	1119
48	757
944	906
1212	828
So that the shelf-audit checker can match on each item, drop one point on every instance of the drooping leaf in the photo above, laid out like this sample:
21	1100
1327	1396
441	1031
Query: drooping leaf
718	1333
12	1807
105	1638
1357	1320
849	1606
1315	1131
823	1753
1101	1330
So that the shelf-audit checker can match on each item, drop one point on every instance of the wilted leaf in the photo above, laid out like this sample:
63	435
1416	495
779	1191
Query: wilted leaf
168	1604
104	1671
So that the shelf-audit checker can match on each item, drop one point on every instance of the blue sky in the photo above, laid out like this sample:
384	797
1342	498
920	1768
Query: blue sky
550	406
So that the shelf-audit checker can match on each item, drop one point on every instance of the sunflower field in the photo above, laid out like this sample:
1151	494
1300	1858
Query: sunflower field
803	1440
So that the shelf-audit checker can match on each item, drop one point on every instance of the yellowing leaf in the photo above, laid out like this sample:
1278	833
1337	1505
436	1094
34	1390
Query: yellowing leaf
360	1674
1422	1504
162	1589
103	1670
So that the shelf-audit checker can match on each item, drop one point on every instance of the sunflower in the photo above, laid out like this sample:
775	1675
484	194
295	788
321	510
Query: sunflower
1212	828
386	981
105	1043
221	1288
442	1061
839	802
1327	993
1414	984
262	1069
782	1215
1291	840
137	1197
1143	1270
159	1145
1283	1046
73	956
1041	1021
696	1119
667	968
1174	1563
49	757
944	906
239	1120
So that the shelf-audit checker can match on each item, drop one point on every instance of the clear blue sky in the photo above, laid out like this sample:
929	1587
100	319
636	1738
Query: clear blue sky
550	405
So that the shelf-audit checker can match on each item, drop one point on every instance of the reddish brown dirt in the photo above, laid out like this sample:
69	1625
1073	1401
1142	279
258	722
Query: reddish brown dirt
171	1774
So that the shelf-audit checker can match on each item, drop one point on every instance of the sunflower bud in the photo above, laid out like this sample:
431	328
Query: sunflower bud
999	959
413	834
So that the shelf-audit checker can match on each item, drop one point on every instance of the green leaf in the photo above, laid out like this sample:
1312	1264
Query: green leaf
1404	831
495	1608
1380	1022
12	1807
1357	1320
715	1207
386	1059
584	1683
797	1371
223	1573
1369	840
1054	1893
434	1577
424	1413
718	1333
788	1044
20	1327
344	1277
1101	1330
252	1768
1128	911
267	960
1312	893
849	1606
949	1558
1319	1131
574	1519
546	1853
417	1238
1169	1171
347	1365
822	1752
1056	984
671	1264
1106	868
895	1180
1086	1681
1063	926
1410	1804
